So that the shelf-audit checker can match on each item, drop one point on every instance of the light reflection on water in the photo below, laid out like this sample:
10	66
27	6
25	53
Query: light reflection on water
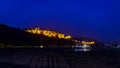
83	49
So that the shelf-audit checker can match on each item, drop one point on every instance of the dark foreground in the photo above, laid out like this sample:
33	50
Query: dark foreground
51	58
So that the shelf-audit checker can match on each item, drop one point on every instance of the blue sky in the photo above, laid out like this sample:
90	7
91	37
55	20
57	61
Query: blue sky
98	19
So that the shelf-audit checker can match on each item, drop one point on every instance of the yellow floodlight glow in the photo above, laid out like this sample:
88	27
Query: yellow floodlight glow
89	43
48	33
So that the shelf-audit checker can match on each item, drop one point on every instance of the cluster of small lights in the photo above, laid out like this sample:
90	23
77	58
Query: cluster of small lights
49	33
84	42
88	43
77	41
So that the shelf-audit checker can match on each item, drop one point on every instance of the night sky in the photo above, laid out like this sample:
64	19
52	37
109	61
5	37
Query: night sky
97	19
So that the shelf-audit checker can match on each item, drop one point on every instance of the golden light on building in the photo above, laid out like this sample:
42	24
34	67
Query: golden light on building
76	40
49	33
61	35
89	43
67	37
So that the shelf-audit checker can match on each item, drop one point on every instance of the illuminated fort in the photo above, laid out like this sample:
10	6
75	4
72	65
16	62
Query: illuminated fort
54	34
48	33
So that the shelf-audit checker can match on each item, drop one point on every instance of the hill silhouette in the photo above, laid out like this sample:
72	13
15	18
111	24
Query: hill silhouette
17	36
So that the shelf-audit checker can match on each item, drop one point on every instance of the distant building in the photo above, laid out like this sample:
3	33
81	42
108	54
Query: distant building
48	33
